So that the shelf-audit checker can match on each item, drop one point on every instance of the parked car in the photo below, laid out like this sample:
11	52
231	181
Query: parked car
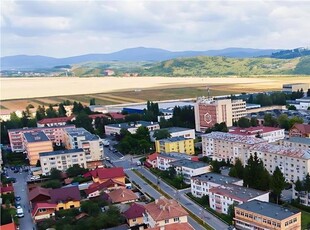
17	198
19	212
11	180
16	171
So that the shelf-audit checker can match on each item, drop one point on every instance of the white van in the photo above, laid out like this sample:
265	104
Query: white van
19	212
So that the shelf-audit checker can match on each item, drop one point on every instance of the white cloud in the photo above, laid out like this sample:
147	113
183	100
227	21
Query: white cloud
64	28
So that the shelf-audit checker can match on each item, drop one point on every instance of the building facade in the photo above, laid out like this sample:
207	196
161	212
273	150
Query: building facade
289	88
177	132
300	130
164	160
296	142
52	122
62	160
175	144
131	127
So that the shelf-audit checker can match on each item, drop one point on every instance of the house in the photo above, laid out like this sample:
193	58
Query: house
6	189
66	197
134	215
164	159
300	130
177	132
35	143
39	195
201	184
270	134
56	121
122	195
117	116
96	189
131	127
175	226
188	168
10	226
263	215
43	211
163	212
221	197
175	144
101	175
151	160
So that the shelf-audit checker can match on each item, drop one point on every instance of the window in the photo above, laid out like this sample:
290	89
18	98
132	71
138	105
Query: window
166	221
134	220
42	210
71	206
176	219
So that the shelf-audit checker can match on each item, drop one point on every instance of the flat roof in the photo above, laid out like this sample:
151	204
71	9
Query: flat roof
163	105
41	128
177	129
78	132
36	136
237	192
271	210
301	140
253	130
173	139
216	178
61	152
127	125
174	155
230	137
189	164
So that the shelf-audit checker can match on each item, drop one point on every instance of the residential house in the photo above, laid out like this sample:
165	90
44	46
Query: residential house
6	189
66	197
134	215
117	116
270	134
151	160
175	144
188	168
131	127
39	195
164	159
300	130
101	175
201	184
163	212
263	215
174	226
221	197
43	211
9	226
62	160
122	195
56	121
96	189
177	132
36	142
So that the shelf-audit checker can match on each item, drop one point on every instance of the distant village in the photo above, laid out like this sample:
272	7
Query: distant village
225	162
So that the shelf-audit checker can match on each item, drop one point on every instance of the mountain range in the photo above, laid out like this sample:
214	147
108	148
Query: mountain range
126	55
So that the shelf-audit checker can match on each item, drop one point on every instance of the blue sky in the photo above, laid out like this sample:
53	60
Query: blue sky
67	28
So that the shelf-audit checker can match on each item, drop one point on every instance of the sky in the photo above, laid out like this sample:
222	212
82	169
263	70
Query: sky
67	28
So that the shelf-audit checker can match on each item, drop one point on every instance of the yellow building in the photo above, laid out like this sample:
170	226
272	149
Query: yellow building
134	215
66	197
35	143
263	215
175	144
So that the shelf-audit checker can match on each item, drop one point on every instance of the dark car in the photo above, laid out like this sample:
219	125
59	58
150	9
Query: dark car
26	170
11	180
115	151
12	168
16	171
18	198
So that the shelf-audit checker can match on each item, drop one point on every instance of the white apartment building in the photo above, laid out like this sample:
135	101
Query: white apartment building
219	145
293	162
132	127
223	196
269	134
177	132
62	160
188	168
201	184
238	108
76	138
164	159
296	142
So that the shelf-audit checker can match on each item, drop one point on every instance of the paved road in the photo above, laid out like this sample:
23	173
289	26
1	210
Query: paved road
145	187
20	189
185	201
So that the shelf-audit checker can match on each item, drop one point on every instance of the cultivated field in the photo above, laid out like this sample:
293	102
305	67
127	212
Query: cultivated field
17	93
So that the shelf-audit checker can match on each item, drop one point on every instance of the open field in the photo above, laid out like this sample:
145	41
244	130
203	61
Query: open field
117	90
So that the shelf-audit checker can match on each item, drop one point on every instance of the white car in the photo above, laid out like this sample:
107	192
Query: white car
19	212
34	177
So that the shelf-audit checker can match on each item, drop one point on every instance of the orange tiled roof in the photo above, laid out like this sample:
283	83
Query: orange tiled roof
122	195
175	226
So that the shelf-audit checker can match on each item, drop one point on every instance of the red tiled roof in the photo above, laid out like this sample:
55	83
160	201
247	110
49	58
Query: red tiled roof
303	128
195	158
55	120
106	173
135	211
152	157
81	215
65	194
107	184
122	195
39	191
94	116
42	205
6	189
10	226
253	130
117	116
174	226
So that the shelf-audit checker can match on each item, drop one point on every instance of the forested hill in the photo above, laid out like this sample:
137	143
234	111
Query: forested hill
294	53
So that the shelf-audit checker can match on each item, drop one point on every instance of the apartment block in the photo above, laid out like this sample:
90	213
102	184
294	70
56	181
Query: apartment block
201	184
269	134
289	88
55	134
296	142
164	160
223	196
62	160
209	111
223	146
132	127
79	138
175	144
177	132
35	143
188	168
263	215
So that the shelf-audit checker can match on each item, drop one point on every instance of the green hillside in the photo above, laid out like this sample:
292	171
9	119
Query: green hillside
202	66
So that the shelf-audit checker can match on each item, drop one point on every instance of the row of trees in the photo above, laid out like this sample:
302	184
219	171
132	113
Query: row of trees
256	176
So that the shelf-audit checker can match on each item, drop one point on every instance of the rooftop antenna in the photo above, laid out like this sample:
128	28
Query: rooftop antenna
208	92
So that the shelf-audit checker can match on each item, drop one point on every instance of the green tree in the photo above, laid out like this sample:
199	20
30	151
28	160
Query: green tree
269	120
277	183
82	120
55	174
298	185
51	112
291	107
92	101
52	184
239	168
294	120
283	121
75	170
15	121
307	183
243	122
62	111
90	207
215	166
40	113
161	134
254	121
142	133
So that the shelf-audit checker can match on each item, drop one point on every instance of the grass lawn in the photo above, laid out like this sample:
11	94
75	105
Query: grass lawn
305	220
